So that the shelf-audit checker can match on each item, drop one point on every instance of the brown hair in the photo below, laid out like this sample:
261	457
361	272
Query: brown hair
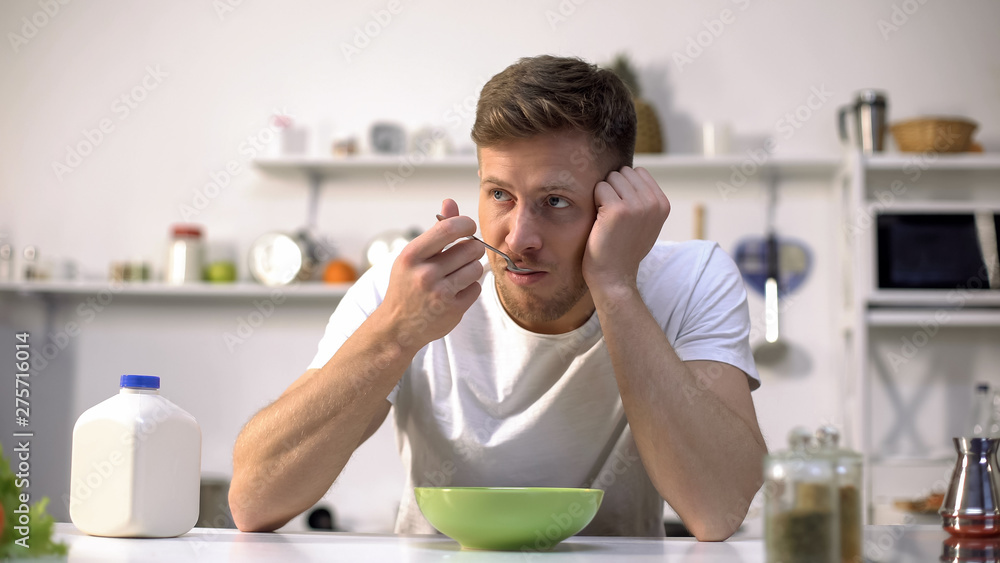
546	94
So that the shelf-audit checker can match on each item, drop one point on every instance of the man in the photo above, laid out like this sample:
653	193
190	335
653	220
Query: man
513	379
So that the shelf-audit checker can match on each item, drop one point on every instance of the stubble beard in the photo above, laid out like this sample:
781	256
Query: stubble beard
524	305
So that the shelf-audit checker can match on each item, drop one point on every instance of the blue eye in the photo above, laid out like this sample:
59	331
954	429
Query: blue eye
557	202
499	195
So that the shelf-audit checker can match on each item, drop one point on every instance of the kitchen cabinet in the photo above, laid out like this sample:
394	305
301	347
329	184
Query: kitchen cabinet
912	355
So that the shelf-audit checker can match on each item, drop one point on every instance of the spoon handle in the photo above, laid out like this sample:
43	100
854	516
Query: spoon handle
510	263
474	237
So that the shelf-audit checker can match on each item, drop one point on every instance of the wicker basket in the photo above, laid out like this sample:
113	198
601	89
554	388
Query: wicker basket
934	134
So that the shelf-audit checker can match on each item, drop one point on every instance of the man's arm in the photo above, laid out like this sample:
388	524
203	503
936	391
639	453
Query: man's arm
693	422
289	453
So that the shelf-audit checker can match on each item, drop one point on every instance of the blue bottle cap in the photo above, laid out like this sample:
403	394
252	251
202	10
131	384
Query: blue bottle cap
140	381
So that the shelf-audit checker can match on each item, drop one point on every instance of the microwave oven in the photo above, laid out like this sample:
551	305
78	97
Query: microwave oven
938	250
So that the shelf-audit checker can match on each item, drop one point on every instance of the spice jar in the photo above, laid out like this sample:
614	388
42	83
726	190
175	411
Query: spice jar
847	466
184	256
801	523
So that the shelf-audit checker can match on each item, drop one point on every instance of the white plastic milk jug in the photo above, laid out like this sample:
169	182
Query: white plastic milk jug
136	465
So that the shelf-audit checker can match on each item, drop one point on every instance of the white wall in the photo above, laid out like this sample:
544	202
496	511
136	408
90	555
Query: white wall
223	76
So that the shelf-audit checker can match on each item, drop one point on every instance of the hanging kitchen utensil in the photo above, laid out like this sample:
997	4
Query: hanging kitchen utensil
281	258
699	222
772	349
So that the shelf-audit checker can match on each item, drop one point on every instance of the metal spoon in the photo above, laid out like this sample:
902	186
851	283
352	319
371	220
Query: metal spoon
510	263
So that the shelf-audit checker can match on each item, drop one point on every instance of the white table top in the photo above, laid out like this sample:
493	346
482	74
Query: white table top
883	543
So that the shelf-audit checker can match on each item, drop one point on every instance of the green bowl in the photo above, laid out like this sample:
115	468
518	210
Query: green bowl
508	518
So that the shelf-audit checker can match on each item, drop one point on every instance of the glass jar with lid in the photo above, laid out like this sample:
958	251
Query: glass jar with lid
184	255
848	466
801	521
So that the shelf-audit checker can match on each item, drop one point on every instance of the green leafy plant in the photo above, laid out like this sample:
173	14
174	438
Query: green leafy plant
648	136
40	526
622	66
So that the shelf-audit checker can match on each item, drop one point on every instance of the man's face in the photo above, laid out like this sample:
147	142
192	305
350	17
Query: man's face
536	204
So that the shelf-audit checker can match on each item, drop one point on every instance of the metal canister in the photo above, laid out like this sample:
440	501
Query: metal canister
870	114
971	507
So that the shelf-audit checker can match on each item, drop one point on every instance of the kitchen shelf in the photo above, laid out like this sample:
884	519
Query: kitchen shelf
819	166
905	161
794	165
928	183
941	298
934	207
246	290
910	461
333	167
930	316
675	168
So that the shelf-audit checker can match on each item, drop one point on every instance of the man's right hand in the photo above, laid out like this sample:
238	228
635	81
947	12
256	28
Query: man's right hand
431	284
288	454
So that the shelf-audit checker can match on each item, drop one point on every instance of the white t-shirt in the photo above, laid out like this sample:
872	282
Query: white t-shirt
492	404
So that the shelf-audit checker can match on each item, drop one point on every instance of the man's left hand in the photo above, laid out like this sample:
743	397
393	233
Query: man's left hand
631	210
